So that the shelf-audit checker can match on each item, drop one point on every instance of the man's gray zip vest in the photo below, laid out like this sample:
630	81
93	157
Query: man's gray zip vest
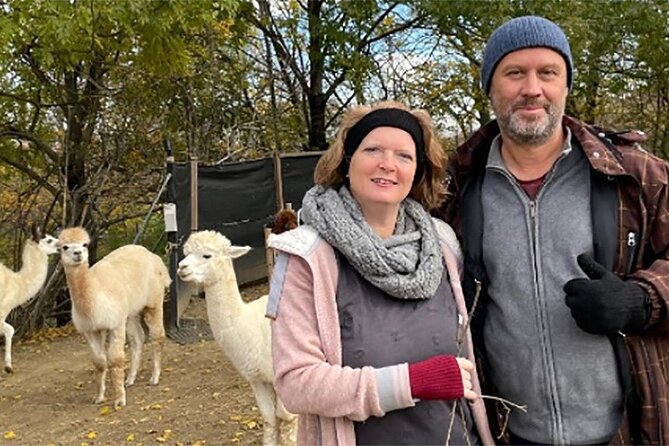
604	206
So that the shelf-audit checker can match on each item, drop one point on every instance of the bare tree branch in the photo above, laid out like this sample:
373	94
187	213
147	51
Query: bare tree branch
9	131
39	179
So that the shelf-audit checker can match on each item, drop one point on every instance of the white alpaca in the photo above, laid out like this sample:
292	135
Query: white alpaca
19	287
109	298
241	329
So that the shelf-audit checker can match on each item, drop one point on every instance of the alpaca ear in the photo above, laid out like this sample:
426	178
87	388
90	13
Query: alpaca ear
34	231
238	251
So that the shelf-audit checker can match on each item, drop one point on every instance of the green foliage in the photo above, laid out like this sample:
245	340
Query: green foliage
326	53
619	50
95	69
84	86
152	238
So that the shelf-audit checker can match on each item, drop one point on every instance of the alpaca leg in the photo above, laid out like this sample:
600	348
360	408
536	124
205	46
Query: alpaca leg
117	363
287	425
153	317
96	340
8	330
282	413
136	340
266	399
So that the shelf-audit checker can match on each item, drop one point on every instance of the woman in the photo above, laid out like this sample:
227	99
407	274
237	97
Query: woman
366	299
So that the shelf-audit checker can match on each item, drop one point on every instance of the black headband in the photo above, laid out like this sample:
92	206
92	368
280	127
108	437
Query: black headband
385	117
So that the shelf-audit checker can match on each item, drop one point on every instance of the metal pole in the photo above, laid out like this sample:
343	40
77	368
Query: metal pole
193	193
153	205
173	245
278	181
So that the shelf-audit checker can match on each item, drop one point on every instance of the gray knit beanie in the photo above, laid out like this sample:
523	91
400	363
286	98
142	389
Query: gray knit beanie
519	33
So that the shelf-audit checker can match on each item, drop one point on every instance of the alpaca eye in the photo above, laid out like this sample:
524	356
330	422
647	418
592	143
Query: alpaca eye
85	245
207	256
64	248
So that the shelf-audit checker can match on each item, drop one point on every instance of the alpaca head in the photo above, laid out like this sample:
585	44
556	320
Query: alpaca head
48	244
206	252
73	246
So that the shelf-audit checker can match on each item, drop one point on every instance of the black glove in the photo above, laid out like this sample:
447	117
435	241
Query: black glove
604	303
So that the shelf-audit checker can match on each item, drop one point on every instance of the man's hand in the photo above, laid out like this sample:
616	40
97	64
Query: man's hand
603	303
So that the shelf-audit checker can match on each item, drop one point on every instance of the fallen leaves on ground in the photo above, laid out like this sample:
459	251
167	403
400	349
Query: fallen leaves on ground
167	434
201	399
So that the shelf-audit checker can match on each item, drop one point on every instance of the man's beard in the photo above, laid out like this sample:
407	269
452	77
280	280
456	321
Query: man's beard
533	131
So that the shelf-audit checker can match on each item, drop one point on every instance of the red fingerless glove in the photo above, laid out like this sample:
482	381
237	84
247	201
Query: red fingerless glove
436	378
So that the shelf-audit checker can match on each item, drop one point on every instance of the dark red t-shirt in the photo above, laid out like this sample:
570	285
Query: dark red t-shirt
532	187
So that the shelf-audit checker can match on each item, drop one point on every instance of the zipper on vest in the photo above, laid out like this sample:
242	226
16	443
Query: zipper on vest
557	427
631	251
533	209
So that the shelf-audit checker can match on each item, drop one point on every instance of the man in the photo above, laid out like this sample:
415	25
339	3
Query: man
565	230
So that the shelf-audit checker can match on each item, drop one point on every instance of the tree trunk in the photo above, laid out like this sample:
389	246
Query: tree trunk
317	140
317	100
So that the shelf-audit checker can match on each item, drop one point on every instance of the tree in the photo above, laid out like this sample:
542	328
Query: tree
619	53
323	51
67	74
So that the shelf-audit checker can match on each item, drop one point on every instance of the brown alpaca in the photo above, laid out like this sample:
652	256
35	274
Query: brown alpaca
284	220
109	298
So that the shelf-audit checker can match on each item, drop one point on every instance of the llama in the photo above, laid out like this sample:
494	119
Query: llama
241	329
109	299
21	286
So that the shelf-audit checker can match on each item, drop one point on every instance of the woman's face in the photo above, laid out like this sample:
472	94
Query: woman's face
382	169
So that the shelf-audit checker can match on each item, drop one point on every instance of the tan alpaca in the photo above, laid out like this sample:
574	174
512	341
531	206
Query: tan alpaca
109	299
20	286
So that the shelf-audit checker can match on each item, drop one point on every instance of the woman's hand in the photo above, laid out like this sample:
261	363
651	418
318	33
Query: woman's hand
466	369
442	377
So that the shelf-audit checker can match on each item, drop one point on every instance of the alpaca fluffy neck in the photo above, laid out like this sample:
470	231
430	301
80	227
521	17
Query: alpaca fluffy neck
224	303
33	272
80	287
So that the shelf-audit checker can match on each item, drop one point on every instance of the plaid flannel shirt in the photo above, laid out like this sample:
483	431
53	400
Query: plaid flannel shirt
643	207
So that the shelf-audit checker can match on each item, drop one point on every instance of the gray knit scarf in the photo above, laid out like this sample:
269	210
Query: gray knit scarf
406	265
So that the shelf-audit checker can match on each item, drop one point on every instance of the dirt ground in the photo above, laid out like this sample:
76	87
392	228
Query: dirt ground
201	399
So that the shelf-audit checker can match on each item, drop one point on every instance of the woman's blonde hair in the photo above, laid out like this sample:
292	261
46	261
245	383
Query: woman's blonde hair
428	190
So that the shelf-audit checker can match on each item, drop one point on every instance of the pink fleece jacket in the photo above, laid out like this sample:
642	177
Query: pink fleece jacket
306	345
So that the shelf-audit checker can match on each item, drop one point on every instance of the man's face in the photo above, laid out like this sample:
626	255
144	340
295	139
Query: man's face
528	94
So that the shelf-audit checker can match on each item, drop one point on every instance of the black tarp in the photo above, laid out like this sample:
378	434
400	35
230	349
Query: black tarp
298	177
238	200
234	199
